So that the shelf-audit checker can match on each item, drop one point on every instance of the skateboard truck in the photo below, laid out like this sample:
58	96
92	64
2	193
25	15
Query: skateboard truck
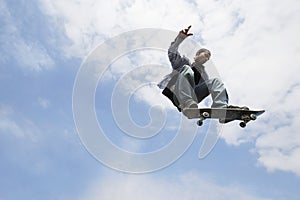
246	119
204	115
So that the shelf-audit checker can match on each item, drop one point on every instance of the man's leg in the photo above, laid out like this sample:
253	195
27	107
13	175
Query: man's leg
218	93
184	88
201	91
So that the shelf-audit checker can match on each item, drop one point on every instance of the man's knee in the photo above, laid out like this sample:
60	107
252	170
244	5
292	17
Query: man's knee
171	96
217	81
187	71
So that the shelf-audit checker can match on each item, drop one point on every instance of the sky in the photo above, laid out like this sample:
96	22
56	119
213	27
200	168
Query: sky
81	116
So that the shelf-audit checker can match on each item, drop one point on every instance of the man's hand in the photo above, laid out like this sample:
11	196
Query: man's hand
185	32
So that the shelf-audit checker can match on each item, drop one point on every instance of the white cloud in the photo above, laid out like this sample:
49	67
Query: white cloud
254	44
29	55
88	23
191	186
139	79
275	133
44	103
279	147
14	47
258	61
20	128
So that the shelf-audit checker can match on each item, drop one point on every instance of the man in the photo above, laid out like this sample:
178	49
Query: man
189	84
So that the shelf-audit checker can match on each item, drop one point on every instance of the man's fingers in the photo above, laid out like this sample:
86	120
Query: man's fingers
185	31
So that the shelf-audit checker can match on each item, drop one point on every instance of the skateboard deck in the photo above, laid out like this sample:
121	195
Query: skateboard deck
224	115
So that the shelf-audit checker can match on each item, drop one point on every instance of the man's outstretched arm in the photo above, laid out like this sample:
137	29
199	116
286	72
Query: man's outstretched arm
175	58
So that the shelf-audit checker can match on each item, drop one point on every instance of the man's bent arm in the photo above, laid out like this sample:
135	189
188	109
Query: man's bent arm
175	58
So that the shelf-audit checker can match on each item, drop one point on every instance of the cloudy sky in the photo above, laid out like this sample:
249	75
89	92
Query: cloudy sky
81	117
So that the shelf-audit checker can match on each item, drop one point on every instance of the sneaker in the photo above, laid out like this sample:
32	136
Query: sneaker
193	105
224	121
238	107
189	105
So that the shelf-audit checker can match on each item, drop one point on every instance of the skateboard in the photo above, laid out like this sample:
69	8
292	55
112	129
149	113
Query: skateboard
224	115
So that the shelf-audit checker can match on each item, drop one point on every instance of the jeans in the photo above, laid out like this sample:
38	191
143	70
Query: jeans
187	92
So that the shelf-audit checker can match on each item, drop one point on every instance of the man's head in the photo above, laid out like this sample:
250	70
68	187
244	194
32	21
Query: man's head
202	56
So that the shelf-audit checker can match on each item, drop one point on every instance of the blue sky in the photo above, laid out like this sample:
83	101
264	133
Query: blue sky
45	44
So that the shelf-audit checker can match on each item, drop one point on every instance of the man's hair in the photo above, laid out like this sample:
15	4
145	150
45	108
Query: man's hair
203	50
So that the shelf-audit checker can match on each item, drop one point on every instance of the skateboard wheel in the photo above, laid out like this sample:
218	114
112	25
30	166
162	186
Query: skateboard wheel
243	124
199	123
253	116
205	114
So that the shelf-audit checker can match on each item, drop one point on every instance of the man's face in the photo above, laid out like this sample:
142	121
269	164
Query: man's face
202	57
